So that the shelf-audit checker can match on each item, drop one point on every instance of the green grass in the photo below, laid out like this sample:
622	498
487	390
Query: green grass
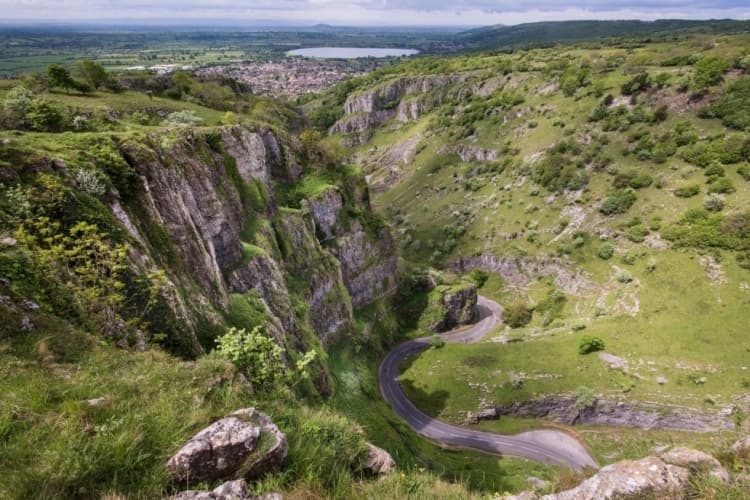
55	445
357	396
681	317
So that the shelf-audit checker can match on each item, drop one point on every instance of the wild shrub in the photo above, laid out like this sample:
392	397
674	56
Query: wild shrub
585	398
185	118
589	344
260	358
637	233
479	277
638	83
722	185
618	202
734	106
44	116
517	314
687	191
714	203
709	71
83	265
17	104
606	251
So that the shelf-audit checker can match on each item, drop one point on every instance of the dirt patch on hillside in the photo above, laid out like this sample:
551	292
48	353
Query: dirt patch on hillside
683	103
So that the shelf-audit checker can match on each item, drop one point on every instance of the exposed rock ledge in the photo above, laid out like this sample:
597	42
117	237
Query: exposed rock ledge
665	476
563	409
522	271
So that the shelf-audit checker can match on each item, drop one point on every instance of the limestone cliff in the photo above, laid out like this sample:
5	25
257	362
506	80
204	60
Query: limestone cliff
404	99
206	212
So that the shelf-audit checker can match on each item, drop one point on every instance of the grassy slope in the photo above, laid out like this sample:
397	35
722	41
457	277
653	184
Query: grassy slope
687	324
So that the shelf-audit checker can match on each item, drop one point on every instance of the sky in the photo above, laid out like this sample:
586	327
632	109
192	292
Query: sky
363	12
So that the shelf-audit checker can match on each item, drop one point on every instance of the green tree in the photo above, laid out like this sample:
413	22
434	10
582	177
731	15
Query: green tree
59	76
92	73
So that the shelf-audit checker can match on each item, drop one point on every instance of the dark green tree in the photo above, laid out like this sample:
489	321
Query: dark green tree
59	76
92	73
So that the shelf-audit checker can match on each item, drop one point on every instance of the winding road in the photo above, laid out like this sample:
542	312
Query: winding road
546	446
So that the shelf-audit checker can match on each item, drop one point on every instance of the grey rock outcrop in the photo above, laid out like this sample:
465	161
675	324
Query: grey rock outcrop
741	445
696	461
460	305
231	490
217	451
564	409
366	110
271	456
629	479
664	476
230	447
378	461
482	415
368	258
520	271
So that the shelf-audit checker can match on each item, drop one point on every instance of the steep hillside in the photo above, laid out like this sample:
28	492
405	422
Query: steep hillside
604	192
545	33
124	242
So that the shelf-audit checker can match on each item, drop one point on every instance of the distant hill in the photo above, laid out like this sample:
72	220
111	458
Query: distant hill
545	33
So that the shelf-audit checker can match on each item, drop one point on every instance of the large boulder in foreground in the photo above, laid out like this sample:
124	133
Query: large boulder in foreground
244	444
231	490
665	476
378	461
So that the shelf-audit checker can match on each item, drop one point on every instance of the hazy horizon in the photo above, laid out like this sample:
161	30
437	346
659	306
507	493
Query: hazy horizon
354	13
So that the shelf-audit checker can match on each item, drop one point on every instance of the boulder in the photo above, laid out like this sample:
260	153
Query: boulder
696	461
742	445
231	446
231	490
481	415
649	477
378	461
215	452
664	476
537	483
612	361
272	455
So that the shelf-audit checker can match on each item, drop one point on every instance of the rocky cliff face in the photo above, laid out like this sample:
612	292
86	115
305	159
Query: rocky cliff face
460	304
404	99
206	213
364	247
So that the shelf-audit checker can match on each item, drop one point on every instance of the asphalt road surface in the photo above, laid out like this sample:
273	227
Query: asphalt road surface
546	446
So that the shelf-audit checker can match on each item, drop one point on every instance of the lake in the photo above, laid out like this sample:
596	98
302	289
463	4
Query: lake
350	52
